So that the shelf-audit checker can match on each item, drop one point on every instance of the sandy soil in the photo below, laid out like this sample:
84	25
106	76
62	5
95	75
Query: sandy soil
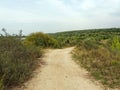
60	73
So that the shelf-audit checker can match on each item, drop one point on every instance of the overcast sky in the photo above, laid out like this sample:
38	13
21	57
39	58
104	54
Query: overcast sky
58	15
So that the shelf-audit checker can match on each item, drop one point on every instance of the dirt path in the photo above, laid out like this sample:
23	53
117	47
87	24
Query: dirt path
60	73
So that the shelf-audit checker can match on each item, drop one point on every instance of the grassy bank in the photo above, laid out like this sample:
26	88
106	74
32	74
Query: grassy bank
101	60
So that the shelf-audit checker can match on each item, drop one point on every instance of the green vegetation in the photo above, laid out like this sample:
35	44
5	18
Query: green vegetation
17	61
71	38
102	61
42	40
116	43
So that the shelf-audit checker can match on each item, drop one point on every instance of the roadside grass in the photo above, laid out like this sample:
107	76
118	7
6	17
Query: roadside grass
102	62
17	61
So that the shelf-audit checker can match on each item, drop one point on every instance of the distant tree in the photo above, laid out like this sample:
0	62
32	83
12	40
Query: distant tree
4	30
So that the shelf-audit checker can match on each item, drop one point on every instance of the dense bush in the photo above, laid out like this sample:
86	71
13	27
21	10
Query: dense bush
16	61
102	62
41	40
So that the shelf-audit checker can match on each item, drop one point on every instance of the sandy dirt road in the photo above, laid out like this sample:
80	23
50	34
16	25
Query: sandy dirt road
60	73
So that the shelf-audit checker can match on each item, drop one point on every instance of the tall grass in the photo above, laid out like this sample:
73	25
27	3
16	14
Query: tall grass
16	61
101	61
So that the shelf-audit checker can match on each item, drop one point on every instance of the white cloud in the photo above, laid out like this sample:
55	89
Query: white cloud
9	15
88	5
58	7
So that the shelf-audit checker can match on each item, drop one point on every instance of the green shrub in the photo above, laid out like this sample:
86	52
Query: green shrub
115	45
34	52
41	40
16	61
